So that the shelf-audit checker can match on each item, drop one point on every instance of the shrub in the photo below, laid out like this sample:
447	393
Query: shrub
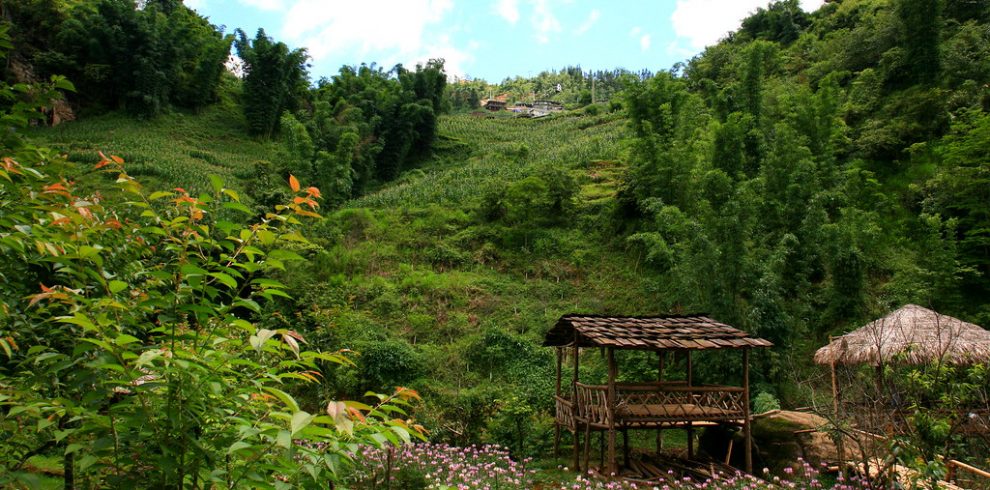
138	351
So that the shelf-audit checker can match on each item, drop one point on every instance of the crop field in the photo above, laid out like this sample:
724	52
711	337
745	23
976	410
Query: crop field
175	150
476	152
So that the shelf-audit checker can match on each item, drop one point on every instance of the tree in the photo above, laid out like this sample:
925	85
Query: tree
275	78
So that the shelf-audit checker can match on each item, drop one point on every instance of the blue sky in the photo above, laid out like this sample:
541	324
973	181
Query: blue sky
489	39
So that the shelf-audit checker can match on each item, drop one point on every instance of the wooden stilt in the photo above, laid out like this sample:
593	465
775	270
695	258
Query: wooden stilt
747	420
576	409
625	449
661	357
601	450
587	445
556	421
610	412
577	448
690	426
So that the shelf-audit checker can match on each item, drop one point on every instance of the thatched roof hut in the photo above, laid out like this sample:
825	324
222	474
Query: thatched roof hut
912	335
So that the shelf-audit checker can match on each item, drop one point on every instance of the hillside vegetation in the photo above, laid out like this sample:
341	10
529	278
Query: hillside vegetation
804	175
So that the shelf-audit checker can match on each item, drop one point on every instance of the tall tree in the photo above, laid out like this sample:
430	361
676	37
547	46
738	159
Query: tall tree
275	78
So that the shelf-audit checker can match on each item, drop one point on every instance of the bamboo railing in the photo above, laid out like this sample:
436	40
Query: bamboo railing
639	405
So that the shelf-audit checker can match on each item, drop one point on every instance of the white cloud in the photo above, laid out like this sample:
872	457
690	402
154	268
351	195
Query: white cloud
544	22
644	42
635	31
703	22
270	5
326	27
588	23
508	9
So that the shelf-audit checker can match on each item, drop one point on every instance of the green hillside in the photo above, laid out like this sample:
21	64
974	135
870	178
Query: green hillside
180	149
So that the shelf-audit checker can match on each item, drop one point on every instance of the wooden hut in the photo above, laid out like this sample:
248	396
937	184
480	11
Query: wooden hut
911	335
618	407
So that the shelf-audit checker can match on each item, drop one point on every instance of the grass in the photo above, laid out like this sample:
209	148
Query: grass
173	150
413	262
478	152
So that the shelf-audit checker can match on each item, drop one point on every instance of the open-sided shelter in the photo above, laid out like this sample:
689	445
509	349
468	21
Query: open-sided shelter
617	407
911	335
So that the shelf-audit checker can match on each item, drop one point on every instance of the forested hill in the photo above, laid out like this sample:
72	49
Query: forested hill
807	173
813	170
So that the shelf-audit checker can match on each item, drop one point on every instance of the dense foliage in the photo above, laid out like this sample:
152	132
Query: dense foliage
798	178
275	79
142	57
138	340
365	126
813	170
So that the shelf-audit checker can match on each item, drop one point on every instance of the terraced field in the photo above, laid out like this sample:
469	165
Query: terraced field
174	150
476	152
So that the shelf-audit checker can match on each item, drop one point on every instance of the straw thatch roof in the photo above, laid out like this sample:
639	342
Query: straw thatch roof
653	333
913	335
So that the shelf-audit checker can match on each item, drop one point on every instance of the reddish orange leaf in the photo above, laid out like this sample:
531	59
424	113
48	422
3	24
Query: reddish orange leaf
313	192
117	159
293	183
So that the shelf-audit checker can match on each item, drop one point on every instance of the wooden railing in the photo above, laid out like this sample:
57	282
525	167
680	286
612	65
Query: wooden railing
592	401
645	403
982	479
564	412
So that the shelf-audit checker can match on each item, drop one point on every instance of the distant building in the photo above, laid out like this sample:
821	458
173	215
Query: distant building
544	107
494	105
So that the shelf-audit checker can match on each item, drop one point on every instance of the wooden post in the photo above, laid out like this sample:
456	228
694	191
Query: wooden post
747	422
690	426
556	421
839	444
574	405
661	357
625	448
587	445
601	451
610	413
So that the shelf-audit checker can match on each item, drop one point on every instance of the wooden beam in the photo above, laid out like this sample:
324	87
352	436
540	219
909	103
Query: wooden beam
610	413
747	420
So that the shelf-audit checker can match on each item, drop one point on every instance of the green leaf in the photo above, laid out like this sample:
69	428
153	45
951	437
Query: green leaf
105	346
124	339
117	286
237	446
249	304
243	324
158	195
189	270
284	397
301	419
284	438
236	206
228	281
62	83
216	182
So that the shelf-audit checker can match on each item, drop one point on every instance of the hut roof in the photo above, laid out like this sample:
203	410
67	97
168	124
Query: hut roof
913	334
649	333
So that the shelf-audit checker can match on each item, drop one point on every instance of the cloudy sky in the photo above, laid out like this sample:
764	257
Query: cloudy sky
489	39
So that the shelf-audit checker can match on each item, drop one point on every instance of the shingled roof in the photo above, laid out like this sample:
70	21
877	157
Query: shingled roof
694	332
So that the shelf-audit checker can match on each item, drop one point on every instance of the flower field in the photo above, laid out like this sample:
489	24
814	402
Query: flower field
490	467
